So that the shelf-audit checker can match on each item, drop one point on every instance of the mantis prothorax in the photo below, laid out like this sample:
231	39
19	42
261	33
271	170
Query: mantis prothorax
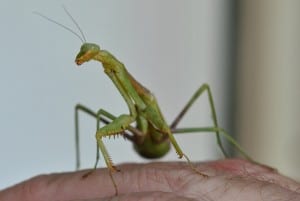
151	136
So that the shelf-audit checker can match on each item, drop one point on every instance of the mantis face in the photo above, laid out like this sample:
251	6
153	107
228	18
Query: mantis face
87	52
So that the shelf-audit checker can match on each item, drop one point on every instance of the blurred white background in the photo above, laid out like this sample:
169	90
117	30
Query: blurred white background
171	47
267	82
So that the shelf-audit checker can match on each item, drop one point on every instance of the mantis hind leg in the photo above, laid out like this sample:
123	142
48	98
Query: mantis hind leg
215	129
203	88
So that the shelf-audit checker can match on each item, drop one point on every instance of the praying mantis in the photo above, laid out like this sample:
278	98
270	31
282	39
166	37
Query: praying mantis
151	136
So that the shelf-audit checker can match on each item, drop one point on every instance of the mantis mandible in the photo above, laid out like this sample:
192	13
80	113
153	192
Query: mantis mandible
152	137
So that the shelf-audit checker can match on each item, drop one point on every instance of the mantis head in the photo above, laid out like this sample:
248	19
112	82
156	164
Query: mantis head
87	52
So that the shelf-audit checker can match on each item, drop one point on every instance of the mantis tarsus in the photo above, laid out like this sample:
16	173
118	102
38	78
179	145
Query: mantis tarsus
151	136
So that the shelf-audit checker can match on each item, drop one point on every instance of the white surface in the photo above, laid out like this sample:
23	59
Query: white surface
172	47
269	97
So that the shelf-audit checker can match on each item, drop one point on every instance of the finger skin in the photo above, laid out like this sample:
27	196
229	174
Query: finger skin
61	186
228	180
144	196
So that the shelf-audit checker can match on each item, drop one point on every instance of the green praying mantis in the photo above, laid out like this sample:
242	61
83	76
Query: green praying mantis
152	137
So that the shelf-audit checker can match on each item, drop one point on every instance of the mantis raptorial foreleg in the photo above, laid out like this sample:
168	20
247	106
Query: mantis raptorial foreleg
99	144
99	116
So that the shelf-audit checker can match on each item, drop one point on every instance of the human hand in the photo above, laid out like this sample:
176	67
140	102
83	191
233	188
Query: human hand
229	179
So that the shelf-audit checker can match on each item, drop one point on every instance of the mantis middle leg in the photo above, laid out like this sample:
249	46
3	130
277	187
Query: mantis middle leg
96	115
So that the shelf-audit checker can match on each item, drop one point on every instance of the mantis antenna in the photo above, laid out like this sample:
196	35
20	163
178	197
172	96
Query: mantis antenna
81	38
74	21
